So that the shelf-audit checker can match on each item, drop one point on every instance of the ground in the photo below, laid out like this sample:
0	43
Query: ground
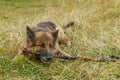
96	33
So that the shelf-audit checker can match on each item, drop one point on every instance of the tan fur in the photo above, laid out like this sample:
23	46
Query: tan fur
62	36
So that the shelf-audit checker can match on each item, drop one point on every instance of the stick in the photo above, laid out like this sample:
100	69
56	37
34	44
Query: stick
103	59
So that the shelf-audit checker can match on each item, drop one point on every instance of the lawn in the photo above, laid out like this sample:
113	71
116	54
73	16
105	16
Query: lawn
96	33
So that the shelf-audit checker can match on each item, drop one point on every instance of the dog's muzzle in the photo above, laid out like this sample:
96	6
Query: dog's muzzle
45	56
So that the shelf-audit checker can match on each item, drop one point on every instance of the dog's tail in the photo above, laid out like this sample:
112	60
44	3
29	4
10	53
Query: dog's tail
69	25
103	59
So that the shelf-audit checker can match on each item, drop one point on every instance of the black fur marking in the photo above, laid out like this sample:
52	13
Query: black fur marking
68	25
42	26
30	34
55	35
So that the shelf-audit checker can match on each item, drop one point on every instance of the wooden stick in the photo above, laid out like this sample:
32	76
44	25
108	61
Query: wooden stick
103	59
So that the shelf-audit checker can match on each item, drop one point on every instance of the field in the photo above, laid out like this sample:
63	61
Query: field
96	33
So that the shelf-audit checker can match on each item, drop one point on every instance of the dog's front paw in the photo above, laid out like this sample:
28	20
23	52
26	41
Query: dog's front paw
68	43
65	41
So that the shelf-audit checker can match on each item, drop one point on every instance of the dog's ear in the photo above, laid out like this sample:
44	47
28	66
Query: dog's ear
55	35
30	34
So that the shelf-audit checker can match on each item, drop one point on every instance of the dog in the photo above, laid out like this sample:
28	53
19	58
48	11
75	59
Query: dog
42	41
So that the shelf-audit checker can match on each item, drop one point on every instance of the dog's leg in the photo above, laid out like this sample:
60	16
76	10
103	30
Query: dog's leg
68	25
19	52
63	34
62	53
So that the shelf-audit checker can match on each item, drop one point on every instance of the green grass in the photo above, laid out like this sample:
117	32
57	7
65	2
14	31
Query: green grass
96	33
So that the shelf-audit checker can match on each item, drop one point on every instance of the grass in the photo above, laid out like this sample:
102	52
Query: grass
96	33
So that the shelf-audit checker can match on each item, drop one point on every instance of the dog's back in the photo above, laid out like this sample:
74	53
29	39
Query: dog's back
45	26
51	27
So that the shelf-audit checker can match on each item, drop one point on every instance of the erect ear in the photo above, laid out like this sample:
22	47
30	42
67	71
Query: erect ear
55	35
30	34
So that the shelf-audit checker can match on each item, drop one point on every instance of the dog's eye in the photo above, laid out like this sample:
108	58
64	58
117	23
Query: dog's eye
51	45
64	32
42	45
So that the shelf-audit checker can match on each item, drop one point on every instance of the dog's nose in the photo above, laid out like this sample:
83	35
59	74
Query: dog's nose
49	57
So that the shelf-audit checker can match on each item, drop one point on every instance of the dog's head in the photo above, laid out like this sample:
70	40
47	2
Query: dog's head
42	43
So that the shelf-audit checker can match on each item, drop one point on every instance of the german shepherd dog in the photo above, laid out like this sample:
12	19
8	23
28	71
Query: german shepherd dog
42	41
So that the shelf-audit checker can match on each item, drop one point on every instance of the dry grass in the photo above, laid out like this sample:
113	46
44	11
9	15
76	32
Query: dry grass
96	33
